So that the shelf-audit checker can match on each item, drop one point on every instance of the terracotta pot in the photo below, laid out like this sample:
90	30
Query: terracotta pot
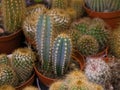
11	42
111	18
48	81
27	83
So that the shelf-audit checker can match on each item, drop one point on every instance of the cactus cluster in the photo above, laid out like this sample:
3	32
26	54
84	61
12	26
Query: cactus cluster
4	59
97	70
22	62
13	14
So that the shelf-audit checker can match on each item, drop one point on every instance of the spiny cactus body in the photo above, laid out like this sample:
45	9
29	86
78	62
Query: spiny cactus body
13	14
7	87
7	76
61	54
62	4
97	70
4	59
44	40
22	61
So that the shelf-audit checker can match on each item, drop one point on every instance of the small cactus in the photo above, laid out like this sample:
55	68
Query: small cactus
61	54
88	45
7	87
4	59
30	88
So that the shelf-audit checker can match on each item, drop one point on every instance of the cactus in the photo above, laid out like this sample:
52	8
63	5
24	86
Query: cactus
7	76
7	87
4	59
61	54
78	7
22	62
30	88
61	4
13	14
103	5
97	71
44	40
61	19
88	45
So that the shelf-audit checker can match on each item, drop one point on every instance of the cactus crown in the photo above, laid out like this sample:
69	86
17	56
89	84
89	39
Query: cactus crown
61	54
13	14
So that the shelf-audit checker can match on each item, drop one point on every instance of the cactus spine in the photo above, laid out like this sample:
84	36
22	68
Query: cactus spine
4	59
13	14
44	40
61	54
61	4
22	62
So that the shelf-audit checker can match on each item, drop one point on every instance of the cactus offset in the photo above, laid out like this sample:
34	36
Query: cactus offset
88	45
7	76
22	61
97	70
61	4
13	14
44	40
61	54
4	59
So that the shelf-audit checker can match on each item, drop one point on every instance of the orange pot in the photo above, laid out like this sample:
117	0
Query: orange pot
11	42
27	83
111	18
48	81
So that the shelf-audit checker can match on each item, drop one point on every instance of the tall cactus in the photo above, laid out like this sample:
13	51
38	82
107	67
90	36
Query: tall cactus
44	40
13	14
61	54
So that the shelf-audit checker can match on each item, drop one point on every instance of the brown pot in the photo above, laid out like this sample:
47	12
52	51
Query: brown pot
48	81
111	18
11	42
27	83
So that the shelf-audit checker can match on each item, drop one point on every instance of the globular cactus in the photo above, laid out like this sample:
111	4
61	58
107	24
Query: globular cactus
30	88
61	4
78	7
7	76
13	14
88	45
44	42
22	62
4	59
7	87
61	54
97	70
61	20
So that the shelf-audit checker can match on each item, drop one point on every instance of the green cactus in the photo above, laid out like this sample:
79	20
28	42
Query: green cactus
103	5
61	4
4	59
13	14
61	20
78	7
44	40
7	76
22	62
88	45
61	54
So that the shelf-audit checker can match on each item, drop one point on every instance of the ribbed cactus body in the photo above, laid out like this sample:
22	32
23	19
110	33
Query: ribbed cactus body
44	40
77	5
22	62
88	45
4	59
61	54
97	70
13	14
7	76
62	4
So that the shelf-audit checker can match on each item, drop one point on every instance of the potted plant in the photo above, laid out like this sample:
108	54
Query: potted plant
55	57
13	13
108	10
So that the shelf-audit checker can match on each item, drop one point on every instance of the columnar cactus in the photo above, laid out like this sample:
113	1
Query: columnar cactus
4	59
7	76
61	4
78	7
13	14
61	54
97	70
43	38
22	62
88	45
